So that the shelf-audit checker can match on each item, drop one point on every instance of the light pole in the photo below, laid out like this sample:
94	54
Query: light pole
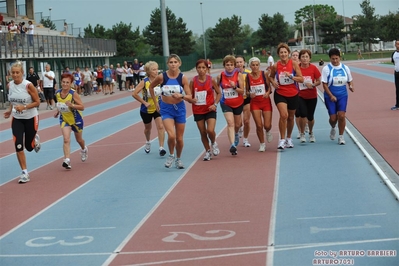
314	29
203	31
49	12
252	51
343	9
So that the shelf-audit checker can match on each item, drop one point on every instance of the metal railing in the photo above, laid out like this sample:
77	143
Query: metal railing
13	46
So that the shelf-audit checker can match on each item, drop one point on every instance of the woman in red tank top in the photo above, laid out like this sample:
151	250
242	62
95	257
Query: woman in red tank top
285	75
203	88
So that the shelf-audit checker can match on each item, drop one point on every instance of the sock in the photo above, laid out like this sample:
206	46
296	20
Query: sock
25	171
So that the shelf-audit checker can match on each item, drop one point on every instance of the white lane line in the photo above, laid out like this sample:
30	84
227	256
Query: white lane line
315	229
341	216
273	214
73	229
209	223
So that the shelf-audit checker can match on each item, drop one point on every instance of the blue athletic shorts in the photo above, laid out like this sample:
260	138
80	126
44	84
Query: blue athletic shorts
176	112
335	107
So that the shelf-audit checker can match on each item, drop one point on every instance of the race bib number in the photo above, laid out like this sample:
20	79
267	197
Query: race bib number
17	112
258	89
157	91
76	78
62	107
201	97
283	80
306	80
168	90
230	93
339	81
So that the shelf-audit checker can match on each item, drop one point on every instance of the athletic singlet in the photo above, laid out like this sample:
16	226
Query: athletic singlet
19	95
203	92
170	86
310	74
245	72
77	78
68	115
230	96
258	87
287	87
337	79
147	98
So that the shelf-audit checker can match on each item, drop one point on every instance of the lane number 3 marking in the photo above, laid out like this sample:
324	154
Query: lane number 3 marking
48	241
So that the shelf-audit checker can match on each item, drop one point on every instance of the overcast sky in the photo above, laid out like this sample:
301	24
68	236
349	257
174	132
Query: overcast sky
110	12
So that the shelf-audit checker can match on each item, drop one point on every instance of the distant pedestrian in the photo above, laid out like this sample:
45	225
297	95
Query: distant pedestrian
31	32
48	86
395	61
359	54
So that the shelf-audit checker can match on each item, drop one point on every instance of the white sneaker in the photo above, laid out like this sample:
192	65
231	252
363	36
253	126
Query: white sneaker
215	149
162	151
169	161
332	133
84	154
298	136
288	143
262	147
303	138
269	136
281	144
37	143
23	178
312	138
147	147
245	143
66	164
179	164
207	156
341	140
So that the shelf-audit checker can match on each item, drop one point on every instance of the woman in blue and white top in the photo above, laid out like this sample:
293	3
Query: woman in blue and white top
174	90
24	99
335	77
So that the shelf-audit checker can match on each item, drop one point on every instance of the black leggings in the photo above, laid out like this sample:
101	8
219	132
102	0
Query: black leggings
28	127
306	108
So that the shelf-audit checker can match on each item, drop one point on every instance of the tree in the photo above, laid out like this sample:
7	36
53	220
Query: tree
272	30
305	14
180	38
98	32
332	28
365	27
226	36
48	24
389	26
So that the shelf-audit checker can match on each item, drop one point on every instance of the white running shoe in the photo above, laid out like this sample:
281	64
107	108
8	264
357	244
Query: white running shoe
341	140
332	133
312	138
289	143
23	178
303	138
245	143
84	154
207	156
37	143
262	147
281	144
215	149
269	136
179	164
299	135
162	151
147	147
66	164
169	161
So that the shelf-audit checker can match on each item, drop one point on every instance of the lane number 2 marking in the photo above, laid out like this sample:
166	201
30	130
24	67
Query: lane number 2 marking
174	235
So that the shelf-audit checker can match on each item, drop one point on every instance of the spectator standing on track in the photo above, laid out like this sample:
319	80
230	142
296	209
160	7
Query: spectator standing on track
100	78
119	73
335	76
78	80
69	109
231	82
31	32
23	99
258	84
34	78
246	111
174	90
129	78
307	95
284	77
113	78
270	61
395	61
148	110
136	72
107	76
87	78
209	64
203	88
48	86
142	72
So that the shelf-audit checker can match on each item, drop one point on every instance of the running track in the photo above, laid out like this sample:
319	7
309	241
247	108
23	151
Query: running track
123	207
